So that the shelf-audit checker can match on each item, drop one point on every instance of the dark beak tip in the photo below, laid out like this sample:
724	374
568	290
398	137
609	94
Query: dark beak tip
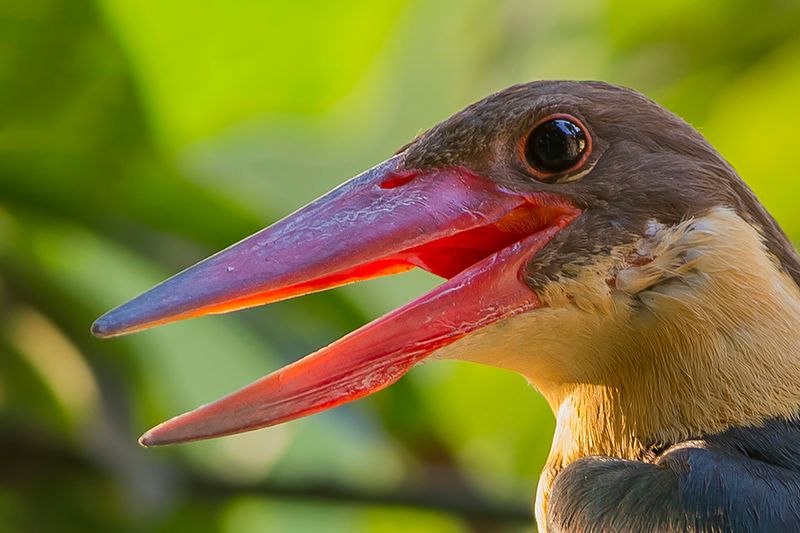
163	435
101	328
106	326
146	441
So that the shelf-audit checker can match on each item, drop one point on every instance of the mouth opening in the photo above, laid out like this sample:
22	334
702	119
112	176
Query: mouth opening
449	256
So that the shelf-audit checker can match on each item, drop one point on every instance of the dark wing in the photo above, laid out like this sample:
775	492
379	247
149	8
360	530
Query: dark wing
742	480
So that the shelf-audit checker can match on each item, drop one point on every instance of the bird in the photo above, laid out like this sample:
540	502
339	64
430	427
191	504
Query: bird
591	241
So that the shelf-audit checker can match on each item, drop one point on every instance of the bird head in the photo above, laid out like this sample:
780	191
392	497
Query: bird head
584	234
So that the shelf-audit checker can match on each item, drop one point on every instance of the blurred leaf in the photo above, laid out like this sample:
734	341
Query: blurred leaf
237	60
754	123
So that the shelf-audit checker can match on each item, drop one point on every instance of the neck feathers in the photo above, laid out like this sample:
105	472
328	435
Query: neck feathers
701	337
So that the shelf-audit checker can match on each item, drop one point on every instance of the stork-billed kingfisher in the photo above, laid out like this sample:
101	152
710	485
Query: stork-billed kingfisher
590	240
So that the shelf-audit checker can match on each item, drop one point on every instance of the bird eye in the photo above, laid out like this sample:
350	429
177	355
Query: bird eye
556	144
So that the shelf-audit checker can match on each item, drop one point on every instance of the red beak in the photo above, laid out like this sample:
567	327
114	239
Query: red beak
448	221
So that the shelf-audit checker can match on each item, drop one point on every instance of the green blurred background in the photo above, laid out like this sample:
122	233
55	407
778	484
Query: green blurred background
137	137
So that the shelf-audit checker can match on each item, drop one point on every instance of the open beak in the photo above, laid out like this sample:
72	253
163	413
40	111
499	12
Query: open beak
449	222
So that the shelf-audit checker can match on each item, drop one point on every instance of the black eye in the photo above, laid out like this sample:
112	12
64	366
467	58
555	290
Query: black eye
556	145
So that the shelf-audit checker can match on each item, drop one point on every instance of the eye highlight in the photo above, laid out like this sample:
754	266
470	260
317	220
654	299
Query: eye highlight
555	145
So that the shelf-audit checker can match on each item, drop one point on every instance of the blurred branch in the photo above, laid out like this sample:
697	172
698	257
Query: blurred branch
34	461
459	502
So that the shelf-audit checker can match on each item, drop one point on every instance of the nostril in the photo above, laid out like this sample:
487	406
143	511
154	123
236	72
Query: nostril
396	179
